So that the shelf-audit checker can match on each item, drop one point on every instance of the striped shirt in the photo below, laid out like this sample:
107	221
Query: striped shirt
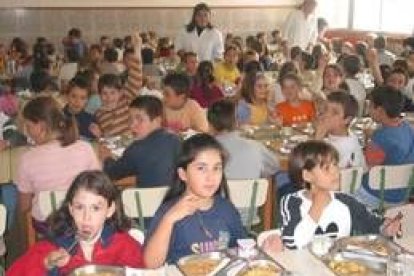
113	122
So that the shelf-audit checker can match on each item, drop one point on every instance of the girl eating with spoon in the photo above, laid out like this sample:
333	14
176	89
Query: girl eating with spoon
89	227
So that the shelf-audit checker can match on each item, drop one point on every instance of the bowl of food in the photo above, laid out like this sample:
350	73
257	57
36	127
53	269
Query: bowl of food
200	265
98	270
260	268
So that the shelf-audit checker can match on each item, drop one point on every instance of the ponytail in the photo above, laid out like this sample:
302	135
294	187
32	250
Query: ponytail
68	131
47	110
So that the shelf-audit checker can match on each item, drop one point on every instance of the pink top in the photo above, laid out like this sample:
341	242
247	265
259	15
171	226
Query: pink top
51	167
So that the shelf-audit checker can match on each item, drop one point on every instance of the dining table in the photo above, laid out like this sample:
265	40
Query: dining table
302	262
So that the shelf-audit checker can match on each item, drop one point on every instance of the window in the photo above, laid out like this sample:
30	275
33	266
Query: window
334	11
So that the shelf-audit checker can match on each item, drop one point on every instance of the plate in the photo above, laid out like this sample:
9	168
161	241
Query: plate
98	270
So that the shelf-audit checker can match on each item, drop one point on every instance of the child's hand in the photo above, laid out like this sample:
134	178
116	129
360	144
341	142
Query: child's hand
57	258
104	152
322	127
272	244
3	144
392	226
95	130
186	206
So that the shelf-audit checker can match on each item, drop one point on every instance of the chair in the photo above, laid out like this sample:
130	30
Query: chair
408	217
391	177
49	201
3	221
248	193
351	179
142	202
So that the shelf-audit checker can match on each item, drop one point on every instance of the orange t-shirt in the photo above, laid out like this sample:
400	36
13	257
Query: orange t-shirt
289	114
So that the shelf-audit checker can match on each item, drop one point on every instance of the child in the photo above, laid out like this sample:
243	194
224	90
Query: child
317	210
252	108
227	71
112	116
204	89
293	110
77	98
89	227
248	159
352	66
196	215
57	157
182	113
152	155
333	126
331	78
392	143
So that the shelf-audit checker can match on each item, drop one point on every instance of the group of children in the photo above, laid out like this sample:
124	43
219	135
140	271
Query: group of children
196	215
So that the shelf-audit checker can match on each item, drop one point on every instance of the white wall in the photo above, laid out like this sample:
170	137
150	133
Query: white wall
54	23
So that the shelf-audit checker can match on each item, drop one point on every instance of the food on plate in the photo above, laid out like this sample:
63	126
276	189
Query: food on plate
348	268
376	246
260	270
199	267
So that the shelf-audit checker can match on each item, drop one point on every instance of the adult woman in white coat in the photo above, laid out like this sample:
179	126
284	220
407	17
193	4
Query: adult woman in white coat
200	36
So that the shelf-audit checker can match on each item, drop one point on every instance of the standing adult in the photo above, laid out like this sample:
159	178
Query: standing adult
300	28
200	36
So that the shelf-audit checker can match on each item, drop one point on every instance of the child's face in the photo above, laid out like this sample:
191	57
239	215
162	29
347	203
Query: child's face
140	123
231	57
203	175
191	65
261	89
325	177
77	98
89	212
290	89
331	79
396	81
333	117
172	99
36	131
110	97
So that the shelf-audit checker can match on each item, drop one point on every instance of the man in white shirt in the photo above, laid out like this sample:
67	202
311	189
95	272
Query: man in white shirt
200	36
300	28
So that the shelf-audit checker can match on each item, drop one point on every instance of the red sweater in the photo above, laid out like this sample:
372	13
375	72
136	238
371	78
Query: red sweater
120	250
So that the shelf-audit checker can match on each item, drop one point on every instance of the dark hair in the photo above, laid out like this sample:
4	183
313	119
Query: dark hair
399	71
147	55
41	81
400	63
291	76
247	88
190	149
180	83
287	67
321	24
308	155
380	43
150	104
47	110
385	71
351	65
205	77
81	82
389	99
308	60
222	115
109	80
72	54
347	101
295	52
61	222
252	67
75	32
230	48
118	42
199	7
111	55
335	67
103	37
